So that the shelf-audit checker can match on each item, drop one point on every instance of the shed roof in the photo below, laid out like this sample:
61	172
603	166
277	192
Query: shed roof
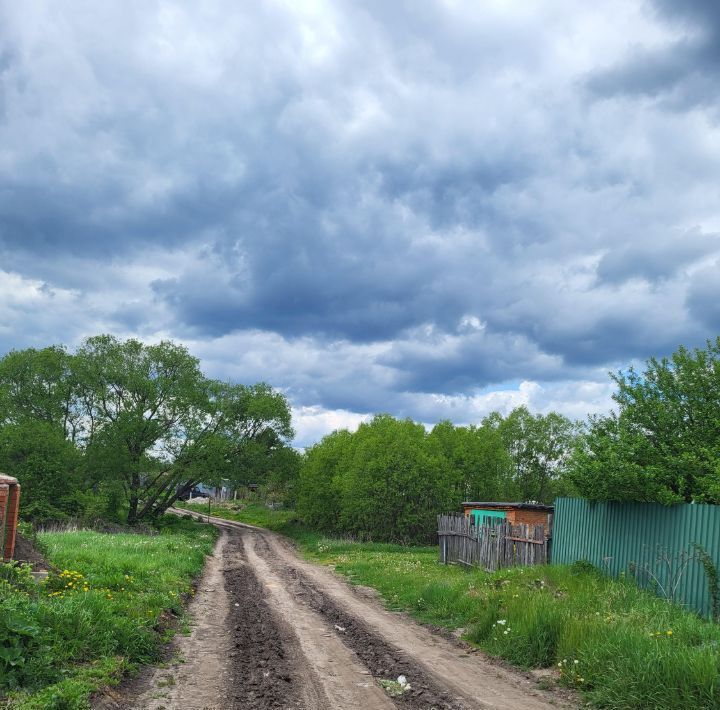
488	505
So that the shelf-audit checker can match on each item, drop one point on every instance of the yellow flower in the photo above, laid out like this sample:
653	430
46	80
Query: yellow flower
669	632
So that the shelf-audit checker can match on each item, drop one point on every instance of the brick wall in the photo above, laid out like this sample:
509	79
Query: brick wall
9	510
531	517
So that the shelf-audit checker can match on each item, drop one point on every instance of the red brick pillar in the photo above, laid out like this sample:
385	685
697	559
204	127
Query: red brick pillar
13	511
10	506
4	495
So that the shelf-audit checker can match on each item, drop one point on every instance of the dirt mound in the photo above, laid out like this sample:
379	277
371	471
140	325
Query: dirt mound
25	551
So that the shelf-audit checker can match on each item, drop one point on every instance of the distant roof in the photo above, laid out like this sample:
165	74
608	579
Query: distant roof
496	504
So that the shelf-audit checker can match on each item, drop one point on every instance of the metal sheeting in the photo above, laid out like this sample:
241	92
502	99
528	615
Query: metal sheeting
616	536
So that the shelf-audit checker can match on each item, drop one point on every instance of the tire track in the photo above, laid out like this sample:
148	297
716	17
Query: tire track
383	660
267	666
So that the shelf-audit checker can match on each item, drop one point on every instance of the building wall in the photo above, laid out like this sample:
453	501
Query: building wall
528	517
515	516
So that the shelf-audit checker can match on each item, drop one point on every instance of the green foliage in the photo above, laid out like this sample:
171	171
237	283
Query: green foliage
476	464
16	577
392	487
99	615
47	464
39	385
120	426
18	640
321	474
384	482
539	446
583	567
663	443
390	479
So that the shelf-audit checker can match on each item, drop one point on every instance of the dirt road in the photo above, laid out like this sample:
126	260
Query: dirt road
273	631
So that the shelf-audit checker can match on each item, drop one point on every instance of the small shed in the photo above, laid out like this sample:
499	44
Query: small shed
489	513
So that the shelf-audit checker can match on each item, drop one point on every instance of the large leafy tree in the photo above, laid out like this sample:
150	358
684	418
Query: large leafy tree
539	446
663	442
323	468
393	487
38	426
476	465
137	399
144	416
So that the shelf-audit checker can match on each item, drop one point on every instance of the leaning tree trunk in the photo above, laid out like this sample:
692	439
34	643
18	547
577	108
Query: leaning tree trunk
132	517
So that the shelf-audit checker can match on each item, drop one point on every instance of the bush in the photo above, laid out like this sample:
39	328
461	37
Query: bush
19	639
581	567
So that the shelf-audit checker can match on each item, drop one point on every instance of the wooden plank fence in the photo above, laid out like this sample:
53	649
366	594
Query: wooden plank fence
490	546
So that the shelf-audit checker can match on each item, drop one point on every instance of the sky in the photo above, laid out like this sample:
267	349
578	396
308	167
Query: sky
435	208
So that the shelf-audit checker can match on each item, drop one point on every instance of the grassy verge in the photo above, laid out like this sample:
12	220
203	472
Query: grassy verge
104	613
620	646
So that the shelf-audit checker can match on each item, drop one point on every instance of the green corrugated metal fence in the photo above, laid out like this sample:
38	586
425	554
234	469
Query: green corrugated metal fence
616	536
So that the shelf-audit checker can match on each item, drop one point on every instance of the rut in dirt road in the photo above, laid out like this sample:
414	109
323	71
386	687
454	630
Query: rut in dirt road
267	664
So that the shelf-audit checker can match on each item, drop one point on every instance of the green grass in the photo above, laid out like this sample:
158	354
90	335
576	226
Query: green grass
106	612
252	514
621	647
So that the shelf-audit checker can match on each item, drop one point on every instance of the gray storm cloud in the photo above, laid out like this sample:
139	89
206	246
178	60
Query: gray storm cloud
375	206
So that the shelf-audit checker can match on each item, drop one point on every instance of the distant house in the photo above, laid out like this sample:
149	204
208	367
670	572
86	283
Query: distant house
221	492
490	513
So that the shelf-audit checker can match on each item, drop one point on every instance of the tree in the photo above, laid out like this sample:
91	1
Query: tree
475	462
663	442
138	400
539	447
382	482
40	385
323	467
38	454
143	416
393	486
36	419
240	429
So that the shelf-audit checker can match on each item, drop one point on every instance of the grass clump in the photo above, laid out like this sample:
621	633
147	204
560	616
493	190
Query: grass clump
103	613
